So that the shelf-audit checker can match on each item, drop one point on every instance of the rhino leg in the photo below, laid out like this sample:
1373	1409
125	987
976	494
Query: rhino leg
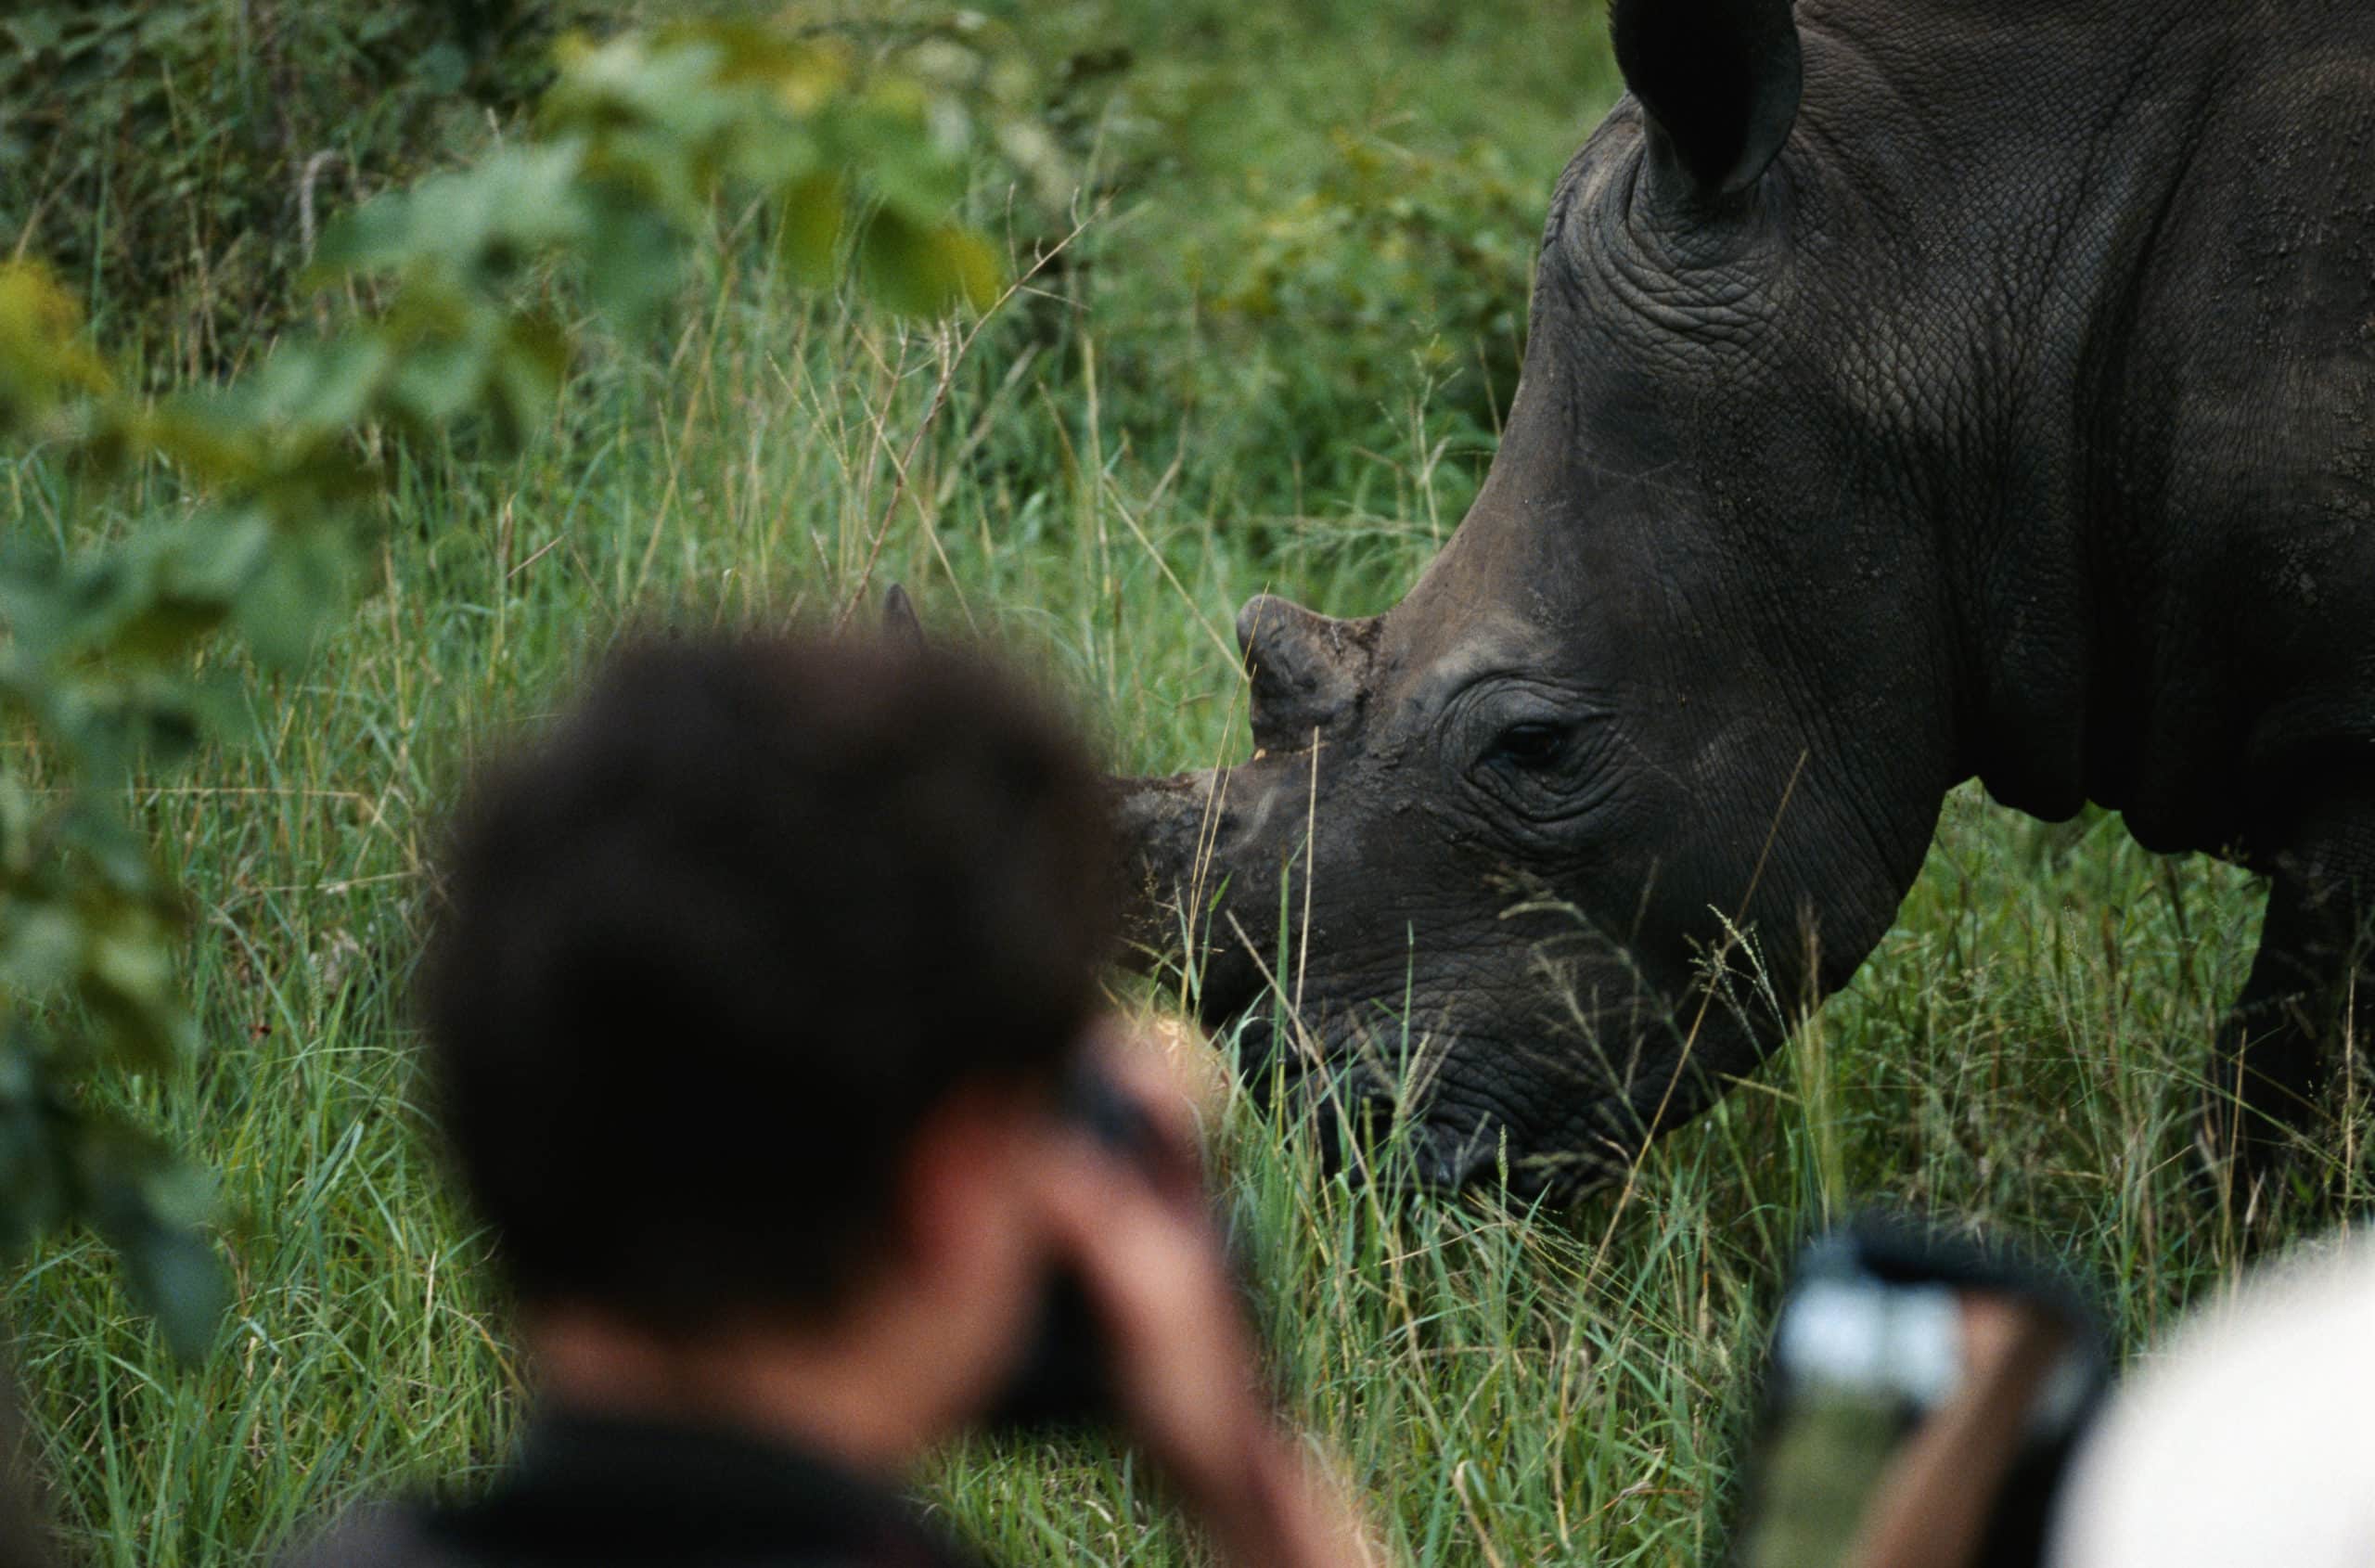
2284	1054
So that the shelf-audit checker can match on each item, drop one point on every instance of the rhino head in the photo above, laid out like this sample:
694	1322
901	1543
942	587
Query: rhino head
1665	710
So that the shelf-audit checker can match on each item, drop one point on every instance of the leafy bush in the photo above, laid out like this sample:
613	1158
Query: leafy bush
1314	253
261	521
1413	269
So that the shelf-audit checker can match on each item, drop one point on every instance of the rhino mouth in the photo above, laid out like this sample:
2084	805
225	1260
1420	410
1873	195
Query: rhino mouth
1428	1118
1534	1075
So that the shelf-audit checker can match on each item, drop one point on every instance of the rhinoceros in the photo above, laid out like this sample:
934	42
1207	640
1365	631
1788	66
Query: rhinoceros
1915	391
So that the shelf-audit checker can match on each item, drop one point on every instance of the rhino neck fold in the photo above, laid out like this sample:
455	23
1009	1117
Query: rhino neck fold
2015	322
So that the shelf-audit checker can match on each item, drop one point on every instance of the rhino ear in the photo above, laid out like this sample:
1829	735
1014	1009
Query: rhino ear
1719	79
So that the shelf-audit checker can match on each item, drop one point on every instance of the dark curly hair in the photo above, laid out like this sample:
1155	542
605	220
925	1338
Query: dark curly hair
711	949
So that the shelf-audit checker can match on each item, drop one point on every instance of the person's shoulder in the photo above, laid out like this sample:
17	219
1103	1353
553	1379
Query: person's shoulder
2245	1440
396	1535
381	1535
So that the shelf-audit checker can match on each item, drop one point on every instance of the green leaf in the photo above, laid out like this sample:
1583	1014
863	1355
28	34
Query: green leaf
214	444
41	946
160	718
441	69
128	982
115	850
178	1275
926	271
151	1210
518	203
530	366
31	1170
179	583
439	382
331	386
35	602
373	236
215	552
804	71
43	356
629	80
633	260
915	167
810	233
298	590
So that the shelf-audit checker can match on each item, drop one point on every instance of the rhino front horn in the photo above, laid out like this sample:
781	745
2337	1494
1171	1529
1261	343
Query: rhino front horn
899	622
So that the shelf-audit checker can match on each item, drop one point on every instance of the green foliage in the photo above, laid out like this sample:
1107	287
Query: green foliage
638	144
1416	264
1321	220
43	360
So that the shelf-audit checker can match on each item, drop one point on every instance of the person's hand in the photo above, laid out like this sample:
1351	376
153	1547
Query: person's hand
1138	1232
1930	1508
2003	1335
1141	1239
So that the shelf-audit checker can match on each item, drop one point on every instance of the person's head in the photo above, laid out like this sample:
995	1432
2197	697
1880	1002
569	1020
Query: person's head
2244	1439
754	979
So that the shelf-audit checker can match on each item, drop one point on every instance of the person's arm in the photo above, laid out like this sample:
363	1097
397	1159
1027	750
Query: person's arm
1185	1368
1283	1511
1932	1507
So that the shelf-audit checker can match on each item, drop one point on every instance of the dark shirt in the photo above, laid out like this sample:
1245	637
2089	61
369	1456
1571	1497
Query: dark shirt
589	1490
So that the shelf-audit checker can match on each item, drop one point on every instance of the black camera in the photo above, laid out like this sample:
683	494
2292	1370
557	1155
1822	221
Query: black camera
1065	1380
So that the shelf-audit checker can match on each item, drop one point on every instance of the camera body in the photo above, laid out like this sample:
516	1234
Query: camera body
1064	1381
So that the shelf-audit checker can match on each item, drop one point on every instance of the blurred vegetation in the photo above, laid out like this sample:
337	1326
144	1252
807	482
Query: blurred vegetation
251	513
1288	218
1253	274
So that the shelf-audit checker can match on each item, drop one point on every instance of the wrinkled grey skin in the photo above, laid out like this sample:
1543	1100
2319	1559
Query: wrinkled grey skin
2001	406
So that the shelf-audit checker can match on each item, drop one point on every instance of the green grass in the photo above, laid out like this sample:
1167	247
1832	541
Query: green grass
1118	461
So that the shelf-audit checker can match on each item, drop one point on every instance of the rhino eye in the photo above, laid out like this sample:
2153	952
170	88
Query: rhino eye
1529	745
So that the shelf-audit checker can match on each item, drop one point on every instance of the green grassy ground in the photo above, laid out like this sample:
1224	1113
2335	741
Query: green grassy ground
1269	360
